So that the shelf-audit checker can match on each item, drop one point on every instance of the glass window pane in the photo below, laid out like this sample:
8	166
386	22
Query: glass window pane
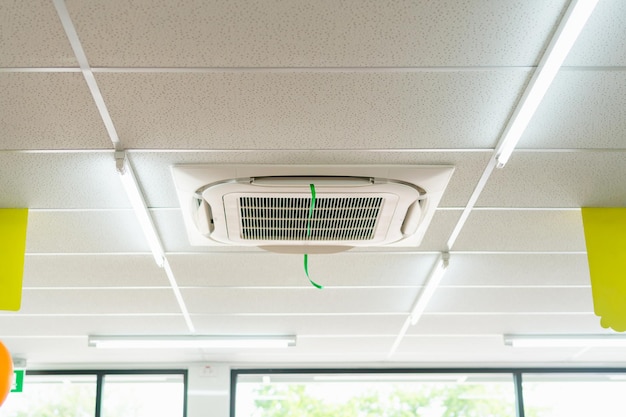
143	395
574	395
53	396
375	395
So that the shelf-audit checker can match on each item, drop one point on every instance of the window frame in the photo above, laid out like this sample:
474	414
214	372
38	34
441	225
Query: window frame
101	373
516	373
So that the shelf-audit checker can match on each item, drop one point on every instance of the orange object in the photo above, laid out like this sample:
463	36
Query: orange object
6	372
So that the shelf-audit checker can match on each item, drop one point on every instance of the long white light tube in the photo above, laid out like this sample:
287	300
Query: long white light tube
129	182
570	27
191	342
428	290
564	340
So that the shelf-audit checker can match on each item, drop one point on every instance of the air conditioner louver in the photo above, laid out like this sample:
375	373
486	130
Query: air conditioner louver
287	219
269	206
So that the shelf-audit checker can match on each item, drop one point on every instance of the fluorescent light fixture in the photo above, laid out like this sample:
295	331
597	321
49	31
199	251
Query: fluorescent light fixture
129	181
191	342
432	282
558	341
566	34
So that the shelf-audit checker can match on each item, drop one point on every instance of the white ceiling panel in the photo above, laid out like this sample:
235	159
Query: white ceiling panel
32	36
559	179
80	231
100	301
303	34
511	300
603	40
49	111
18	325
153	168
523	230
60	181
309	325
582	109
298	301
505	323
92	271
348	110
267	269
514	269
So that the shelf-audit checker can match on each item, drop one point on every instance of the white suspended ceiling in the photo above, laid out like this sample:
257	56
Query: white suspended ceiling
350	82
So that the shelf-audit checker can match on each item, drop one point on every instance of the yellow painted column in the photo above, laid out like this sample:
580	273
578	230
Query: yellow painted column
12	248
605	237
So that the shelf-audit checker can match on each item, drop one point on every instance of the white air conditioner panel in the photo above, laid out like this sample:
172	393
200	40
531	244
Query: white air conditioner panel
268	206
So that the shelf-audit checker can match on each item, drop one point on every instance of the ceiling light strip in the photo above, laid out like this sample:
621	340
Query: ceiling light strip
129	181
429	287
396	343
570	26
480	186
81	57
428	290
564	340
566	34
192	342
179	297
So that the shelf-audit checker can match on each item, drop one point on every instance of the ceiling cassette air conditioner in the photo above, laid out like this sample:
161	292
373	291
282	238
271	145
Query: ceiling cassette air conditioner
269	206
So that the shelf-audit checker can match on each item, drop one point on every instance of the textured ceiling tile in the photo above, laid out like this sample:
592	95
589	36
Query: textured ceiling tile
153	168
558	179
511	300
451	324
347	269
101	301
337	325
85	271
32	36
49	111
603	40
311	110
322	33
582	109
91	324
306	300
84	232
520	230
507	269
60	181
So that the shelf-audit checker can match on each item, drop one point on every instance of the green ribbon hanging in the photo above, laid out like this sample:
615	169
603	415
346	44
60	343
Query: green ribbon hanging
308	234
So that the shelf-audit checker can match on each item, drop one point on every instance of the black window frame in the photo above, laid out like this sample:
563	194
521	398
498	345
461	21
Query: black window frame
101	373
516	373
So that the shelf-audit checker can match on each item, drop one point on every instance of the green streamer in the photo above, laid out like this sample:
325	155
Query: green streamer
308	234
311	207
306	270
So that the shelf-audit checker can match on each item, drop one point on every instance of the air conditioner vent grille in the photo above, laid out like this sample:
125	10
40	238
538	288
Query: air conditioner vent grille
287	218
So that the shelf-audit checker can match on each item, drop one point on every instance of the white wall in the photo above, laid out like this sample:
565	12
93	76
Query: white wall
208	390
